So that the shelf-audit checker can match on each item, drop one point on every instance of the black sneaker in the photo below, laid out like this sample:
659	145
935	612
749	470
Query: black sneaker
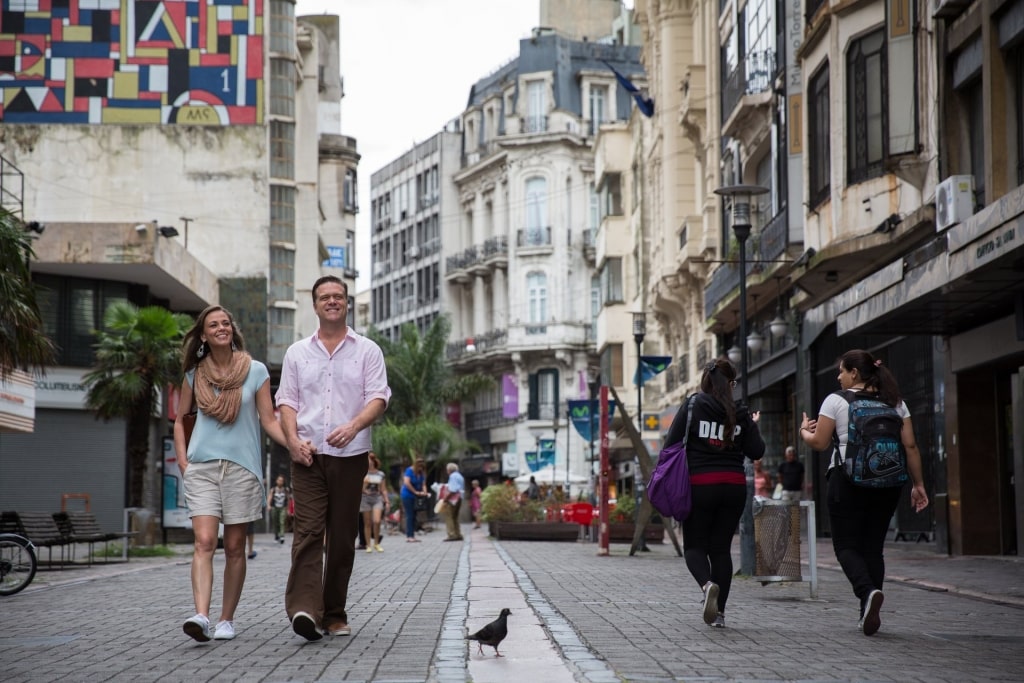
872	621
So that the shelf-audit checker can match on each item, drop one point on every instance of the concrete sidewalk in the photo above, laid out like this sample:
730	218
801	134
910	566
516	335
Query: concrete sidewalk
575	617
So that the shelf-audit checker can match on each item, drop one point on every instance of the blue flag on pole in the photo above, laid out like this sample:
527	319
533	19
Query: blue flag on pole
650	366
644	104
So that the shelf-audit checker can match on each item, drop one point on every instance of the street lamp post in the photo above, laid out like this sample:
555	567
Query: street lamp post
740	198
639	332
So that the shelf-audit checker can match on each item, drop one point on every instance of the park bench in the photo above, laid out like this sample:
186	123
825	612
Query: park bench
82	527
38	527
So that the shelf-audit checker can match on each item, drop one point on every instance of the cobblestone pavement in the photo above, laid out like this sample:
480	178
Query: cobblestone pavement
576	616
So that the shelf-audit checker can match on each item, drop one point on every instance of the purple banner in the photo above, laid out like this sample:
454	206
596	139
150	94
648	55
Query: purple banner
509	397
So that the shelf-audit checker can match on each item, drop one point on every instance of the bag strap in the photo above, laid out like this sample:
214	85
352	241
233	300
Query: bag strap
689	416
849	396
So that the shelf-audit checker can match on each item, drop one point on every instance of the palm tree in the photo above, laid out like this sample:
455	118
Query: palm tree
421	385
23	344
138	353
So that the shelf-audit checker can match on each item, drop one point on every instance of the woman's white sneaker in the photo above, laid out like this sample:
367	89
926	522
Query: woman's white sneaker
197	628
225	630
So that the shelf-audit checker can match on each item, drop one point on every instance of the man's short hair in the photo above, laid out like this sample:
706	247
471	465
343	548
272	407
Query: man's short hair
329	278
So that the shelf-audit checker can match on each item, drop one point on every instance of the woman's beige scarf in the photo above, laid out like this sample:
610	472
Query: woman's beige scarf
222	406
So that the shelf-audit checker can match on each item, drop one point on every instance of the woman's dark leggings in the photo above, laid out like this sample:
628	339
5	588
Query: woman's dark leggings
707	534
859	518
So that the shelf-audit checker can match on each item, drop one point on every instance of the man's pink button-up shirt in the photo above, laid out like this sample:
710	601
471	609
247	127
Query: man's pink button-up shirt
327	390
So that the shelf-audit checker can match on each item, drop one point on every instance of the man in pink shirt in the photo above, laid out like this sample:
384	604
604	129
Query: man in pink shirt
333	387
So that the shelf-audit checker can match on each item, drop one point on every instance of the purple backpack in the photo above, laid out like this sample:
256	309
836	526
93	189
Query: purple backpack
669	487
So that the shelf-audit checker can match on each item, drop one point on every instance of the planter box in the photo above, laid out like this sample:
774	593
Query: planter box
622	532
534	531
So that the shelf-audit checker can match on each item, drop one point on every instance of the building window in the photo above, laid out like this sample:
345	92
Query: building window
282	88
350	191
536	211
536	119
537	298
867	107
282	26
282	274
598	107
611	281
975	106
282	150
282	213
72	310
612	192
818	136
1018	108
595	208
543	394
282	331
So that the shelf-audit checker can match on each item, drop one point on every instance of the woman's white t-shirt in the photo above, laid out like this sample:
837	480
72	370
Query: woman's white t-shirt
838	408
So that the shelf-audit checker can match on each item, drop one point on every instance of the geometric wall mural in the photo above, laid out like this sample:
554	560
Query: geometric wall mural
196	62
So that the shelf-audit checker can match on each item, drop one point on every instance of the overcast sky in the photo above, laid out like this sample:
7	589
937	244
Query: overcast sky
408	66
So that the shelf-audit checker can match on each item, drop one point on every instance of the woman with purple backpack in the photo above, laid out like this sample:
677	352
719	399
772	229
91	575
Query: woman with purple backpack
721	433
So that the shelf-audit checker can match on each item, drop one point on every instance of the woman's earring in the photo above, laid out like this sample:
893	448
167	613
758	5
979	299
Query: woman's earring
233	347
201	351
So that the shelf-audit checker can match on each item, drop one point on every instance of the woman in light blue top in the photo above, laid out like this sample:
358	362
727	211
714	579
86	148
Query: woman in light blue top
220	465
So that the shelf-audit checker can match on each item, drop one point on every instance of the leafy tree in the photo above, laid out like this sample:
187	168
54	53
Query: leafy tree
23	344
421	385
138	353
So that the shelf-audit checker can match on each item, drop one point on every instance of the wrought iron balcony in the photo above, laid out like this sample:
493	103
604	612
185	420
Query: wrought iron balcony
751	76
533	124
534	237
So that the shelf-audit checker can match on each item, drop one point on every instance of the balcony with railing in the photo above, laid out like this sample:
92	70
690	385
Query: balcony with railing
495	252
539	237
485	344
751	78
486	419
533	124
457	268
764	248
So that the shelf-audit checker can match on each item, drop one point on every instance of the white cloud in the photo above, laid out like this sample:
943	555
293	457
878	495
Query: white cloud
408	66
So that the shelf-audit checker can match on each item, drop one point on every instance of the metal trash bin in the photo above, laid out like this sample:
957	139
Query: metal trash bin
777	540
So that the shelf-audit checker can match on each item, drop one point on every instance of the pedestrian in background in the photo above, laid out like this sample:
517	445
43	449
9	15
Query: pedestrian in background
722	432
333	387
791	476
762	481
414	490
453	502
221	464
474	503
374	504
278	501
859	516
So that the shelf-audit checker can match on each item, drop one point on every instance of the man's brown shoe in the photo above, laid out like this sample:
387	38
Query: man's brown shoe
338	630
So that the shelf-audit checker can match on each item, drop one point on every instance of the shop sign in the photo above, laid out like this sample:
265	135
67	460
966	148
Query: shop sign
17	402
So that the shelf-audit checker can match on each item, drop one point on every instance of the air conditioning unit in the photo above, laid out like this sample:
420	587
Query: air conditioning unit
947	9
954	201
412	252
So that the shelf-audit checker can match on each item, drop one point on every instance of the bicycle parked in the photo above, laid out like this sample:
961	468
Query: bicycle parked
17	563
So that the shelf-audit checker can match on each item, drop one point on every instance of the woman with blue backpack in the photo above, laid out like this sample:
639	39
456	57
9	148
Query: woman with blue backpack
718	433
867	430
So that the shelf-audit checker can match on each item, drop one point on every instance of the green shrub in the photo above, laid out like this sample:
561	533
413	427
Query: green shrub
500	503
625	509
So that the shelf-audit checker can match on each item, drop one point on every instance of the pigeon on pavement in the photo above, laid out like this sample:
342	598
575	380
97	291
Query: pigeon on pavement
493	633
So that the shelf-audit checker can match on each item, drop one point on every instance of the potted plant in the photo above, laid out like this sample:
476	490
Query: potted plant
621	523
508	517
